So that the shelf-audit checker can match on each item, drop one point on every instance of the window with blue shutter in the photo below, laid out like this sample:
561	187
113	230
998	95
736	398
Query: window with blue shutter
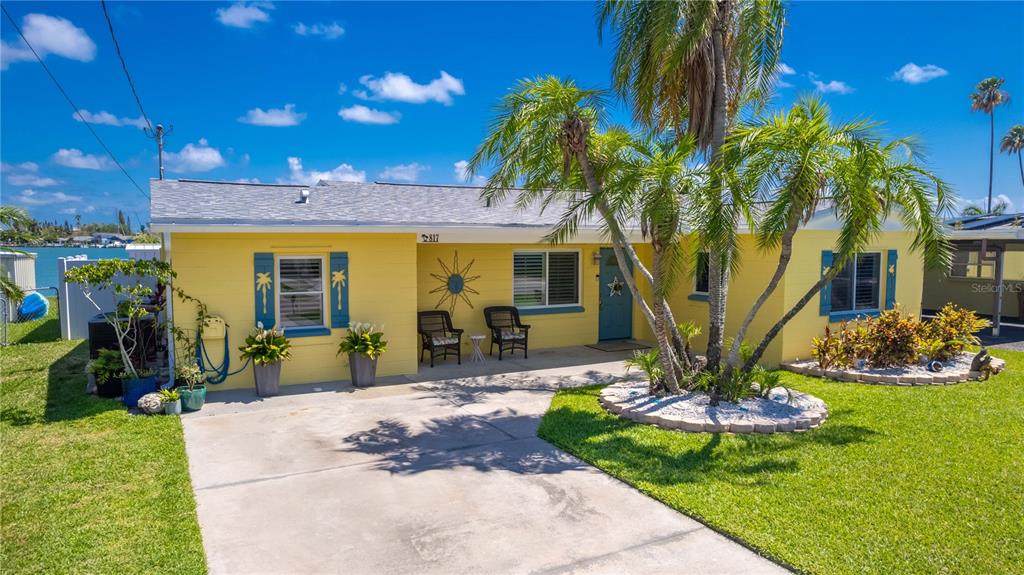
339	290
890	280
825	302
263	280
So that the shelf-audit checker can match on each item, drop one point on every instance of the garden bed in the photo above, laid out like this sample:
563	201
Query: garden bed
782	411
956	370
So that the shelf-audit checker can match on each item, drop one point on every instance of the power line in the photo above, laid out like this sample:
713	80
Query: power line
124	65
72	103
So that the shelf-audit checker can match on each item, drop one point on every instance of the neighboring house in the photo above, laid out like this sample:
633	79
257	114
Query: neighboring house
987	248
310	259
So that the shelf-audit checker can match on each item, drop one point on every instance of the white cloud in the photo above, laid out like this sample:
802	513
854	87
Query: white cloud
33	180
462	174
911	73
328	31
342	173
403	172
401	88
342	88
981	203
781	70
273	117
33	198
74	158
831	87
244	14
364	115
108	119
26	174
248	181
194	158
48	35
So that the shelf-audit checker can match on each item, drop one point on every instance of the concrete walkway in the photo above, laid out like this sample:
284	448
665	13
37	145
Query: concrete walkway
441	476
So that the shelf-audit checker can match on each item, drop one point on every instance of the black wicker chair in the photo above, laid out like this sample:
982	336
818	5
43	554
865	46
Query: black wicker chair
506	330
438	335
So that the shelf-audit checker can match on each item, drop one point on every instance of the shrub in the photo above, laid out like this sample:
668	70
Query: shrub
649	363
830	350
892	339
951	330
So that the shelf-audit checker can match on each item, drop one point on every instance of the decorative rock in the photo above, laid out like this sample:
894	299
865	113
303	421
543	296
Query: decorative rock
151	403
957	370
691	411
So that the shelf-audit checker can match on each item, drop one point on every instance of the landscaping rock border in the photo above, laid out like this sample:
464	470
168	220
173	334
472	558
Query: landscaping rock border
956	371
783	411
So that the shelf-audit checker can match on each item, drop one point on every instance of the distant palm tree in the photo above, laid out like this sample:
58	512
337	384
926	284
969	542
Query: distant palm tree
998	209
1013	143
989	94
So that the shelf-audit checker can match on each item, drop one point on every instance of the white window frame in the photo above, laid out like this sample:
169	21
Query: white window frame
579	277
324	304
852	266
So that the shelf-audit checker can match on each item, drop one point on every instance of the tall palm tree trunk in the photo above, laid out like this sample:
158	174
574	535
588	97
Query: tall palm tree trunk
991	155
718	284
785	254
775	329
1020	164
667	353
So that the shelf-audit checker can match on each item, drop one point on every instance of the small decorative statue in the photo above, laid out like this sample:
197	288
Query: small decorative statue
982	362
151	404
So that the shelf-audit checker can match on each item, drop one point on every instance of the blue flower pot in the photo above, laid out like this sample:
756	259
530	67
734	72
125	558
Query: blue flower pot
134	389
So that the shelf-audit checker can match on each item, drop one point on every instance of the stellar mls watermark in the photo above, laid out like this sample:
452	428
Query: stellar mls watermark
992	287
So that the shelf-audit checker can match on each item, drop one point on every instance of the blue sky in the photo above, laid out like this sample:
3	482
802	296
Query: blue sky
403	91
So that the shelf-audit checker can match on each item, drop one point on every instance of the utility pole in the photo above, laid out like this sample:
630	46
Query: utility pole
158	135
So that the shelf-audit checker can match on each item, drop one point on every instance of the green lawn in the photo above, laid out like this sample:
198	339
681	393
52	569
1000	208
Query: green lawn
898	480
86	487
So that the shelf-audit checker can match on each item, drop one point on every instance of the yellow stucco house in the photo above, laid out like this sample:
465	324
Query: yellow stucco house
311	259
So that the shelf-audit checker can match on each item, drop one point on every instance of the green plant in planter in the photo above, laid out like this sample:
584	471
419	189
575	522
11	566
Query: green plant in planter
191	384
363	339
266	347
169	395
108	370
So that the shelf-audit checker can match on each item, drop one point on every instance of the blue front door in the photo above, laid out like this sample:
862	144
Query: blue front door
615	319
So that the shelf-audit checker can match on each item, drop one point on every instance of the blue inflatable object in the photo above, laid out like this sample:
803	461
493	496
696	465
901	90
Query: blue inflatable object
34	306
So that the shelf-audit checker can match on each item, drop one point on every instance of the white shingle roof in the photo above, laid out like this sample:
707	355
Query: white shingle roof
192	202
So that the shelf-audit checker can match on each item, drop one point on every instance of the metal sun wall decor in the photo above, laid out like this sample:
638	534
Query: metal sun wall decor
455	282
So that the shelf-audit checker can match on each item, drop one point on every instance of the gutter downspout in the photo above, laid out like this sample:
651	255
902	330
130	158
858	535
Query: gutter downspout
166	257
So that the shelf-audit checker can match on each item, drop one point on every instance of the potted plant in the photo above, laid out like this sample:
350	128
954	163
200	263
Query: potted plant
267	348
172	401
135	383
191	385
363	343
107	370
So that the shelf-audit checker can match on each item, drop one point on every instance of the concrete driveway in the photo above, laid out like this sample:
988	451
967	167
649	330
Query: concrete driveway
443	476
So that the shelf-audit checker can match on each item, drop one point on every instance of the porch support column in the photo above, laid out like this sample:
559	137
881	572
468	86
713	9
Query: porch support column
997	314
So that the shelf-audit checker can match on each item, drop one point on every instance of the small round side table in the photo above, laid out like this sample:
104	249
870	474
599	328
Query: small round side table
478	354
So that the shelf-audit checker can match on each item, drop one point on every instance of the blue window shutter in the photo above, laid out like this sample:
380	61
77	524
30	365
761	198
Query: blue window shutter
339	281
826	292
264	284
890	281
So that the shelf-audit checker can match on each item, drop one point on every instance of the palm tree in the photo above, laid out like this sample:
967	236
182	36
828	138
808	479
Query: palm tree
998	209
989	94
14	218
1013	143
691	65
800	162
545	140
